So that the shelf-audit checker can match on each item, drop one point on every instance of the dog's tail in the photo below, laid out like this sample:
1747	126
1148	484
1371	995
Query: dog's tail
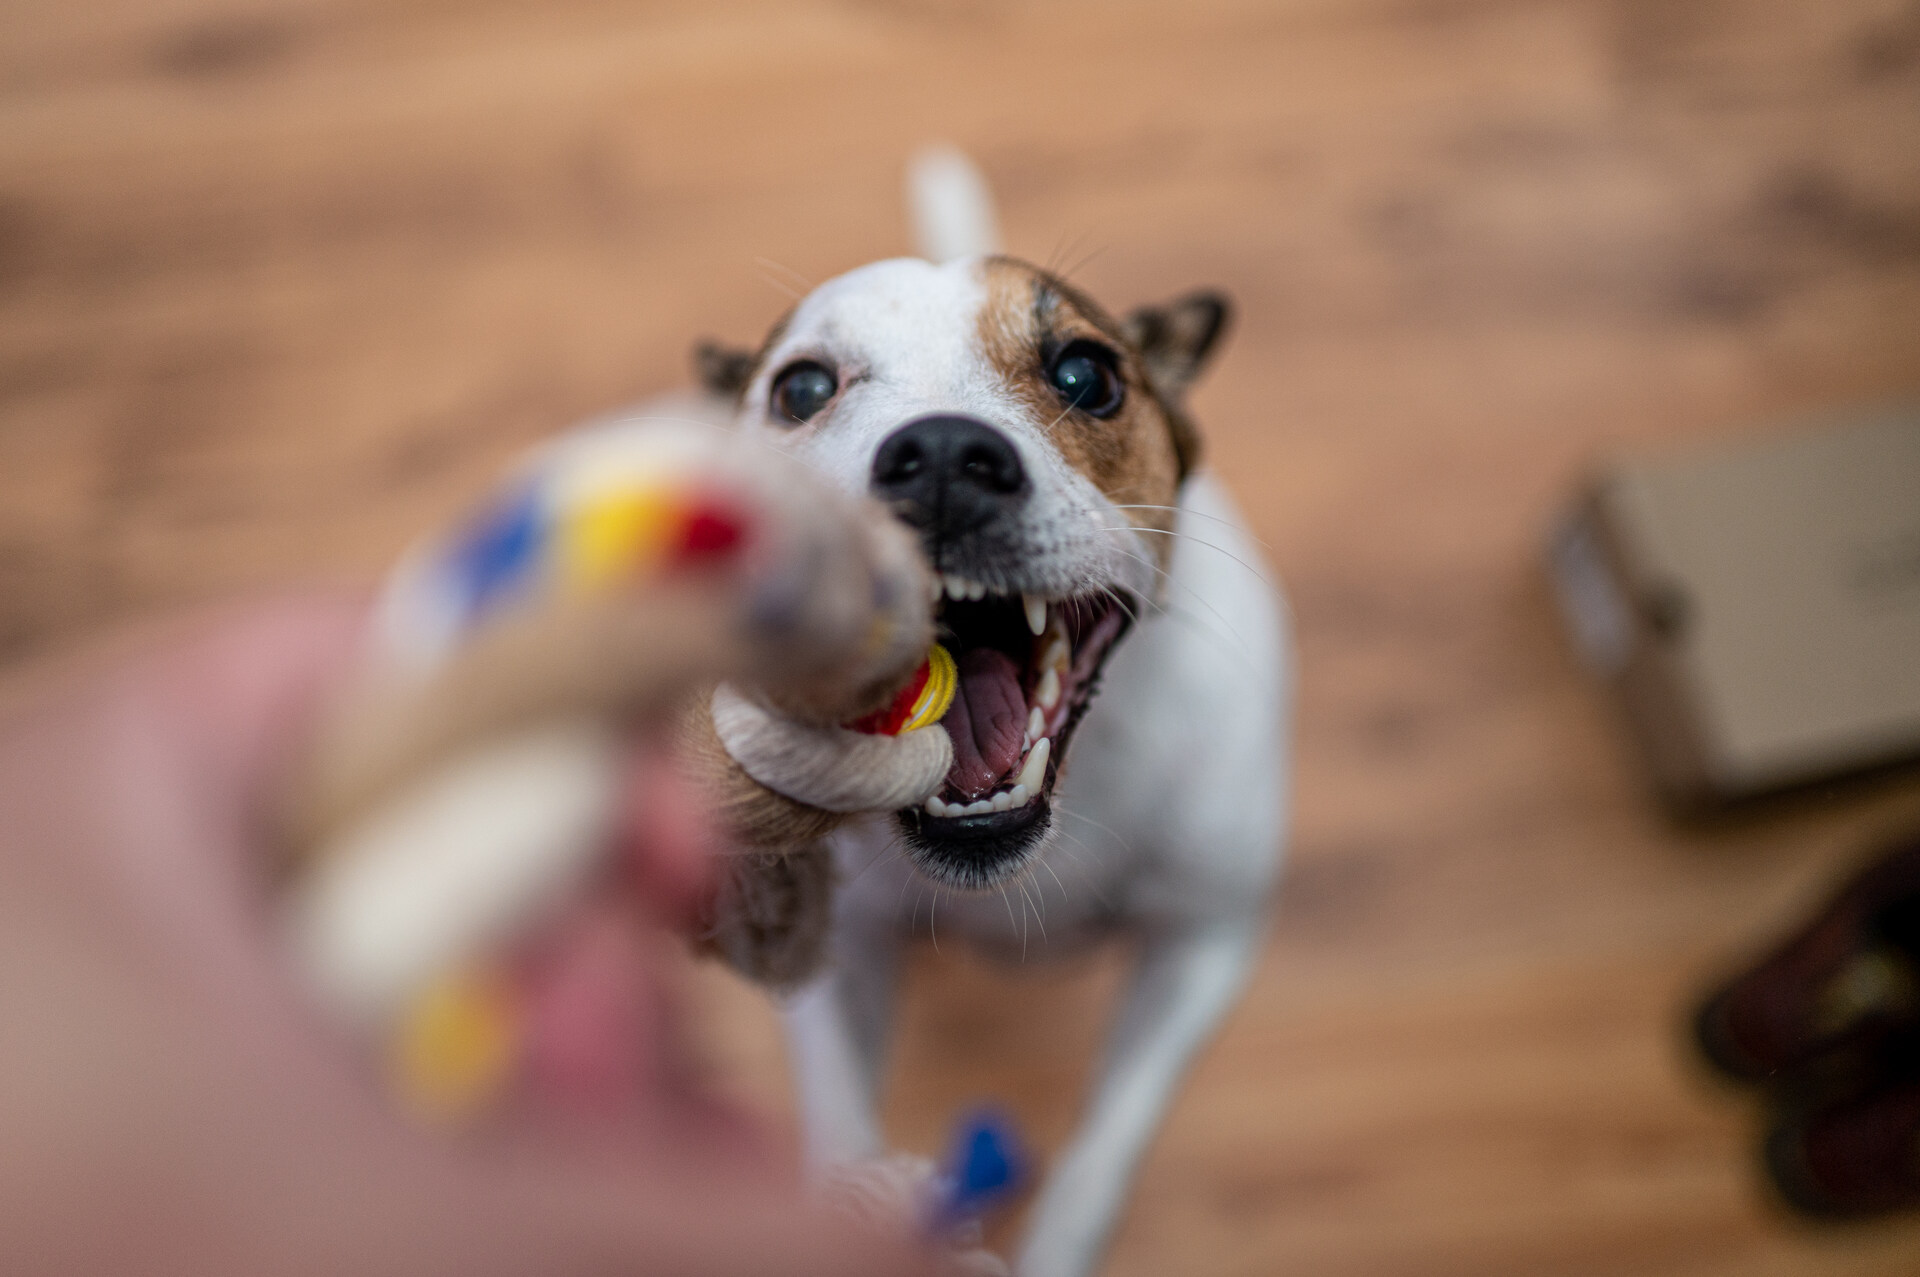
951	205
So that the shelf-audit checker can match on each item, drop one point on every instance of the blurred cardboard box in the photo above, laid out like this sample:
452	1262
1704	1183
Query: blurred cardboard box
1756	609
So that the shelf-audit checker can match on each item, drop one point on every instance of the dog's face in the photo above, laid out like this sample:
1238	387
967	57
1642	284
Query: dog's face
1038	447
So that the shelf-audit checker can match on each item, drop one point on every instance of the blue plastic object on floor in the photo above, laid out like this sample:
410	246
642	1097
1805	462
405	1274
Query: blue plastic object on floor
985	1167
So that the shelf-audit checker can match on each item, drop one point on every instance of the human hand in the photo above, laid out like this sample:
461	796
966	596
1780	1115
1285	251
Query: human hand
171	1104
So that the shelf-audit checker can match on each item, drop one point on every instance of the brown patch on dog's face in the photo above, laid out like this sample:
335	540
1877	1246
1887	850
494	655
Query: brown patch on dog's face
1135	454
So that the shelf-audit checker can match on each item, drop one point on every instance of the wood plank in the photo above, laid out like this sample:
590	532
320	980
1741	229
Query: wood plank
282	284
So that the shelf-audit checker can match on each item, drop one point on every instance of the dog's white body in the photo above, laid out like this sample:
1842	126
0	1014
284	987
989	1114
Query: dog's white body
1170	823
1169	815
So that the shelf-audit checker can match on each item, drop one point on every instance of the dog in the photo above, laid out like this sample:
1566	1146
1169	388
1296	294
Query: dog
1120	736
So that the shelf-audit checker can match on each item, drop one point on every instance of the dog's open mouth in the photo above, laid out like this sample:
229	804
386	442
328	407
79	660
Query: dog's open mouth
1028	670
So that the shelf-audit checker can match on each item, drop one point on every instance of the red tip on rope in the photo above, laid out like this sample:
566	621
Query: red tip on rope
709	530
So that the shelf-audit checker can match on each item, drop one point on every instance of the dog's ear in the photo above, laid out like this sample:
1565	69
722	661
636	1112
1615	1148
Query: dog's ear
724	370
1175	339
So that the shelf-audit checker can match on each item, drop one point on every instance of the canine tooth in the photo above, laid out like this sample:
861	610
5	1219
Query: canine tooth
1036	723
1034	774
1019	796
935	807
1036	613
977	808
1048	693
1002	801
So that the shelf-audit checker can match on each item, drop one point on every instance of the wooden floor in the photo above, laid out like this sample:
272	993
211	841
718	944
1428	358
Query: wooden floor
283	281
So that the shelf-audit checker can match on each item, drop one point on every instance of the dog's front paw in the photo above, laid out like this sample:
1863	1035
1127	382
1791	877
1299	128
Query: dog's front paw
885	1192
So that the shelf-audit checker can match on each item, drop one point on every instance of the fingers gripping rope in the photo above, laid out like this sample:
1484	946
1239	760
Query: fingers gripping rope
470	777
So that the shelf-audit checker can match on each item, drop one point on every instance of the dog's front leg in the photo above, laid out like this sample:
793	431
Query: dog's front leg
836	1036
1185	983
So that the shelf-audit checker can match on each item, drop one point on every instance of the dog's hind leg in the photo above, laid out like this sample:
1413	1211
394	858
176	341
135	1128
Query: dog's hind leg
1186	981
837	1029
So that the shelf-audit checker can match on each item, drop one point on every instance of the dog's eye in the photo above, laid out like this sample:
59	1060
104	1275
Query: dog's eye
1083	374
802	390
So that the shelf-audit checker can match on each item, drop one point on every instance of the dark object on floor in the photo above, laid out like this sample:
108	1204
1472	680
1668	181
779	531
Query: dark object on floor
1756	609
1828	1024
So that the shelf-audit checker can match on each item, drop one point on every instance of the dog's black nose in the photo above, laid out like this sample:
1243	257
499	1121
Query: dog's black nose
949	475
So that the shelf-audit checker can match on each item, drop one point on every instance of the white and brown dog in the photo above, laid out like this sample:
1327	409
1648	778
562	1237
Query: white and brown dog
1041	450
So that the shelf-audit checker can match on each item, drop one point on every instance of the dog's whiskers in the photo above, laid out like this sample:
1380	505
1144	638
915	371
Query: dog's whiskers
1106	829
1026	900
893	850
1057	420
1245	653
1188	536
1184	512
767	263
913	917
1120	601
1065	899
1077	267
780	288
1067	243
1023	921
1080	853
1172	580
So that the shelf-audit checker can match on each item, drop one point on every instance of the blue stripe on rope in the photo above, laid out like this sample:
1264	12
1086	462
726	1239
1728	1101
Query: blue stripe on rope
494	559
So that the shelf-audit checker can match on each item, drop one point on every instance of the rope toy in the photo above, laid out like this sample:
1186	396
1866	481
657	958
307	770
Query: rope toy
540	539
469	779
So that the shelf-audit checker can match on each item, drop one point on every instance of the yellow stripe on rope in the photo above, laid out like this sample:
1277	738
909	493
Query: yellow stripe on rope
613	535
943	680
456	1046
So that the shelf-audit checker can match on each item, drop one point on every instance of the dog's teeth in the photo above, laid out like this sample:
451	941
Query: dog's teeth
1036	613
976	591
1003	801
1018	796
1048	693
1059	654
978	808
938	588
1036	724
935	807
955	587
1035	772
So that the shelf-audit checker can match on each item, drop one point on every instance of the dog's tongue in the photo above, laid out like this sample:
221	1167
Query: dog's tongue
985	721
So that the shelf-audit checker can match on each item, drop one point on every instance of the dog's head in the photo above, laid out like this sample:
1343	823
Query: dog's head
1038	447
